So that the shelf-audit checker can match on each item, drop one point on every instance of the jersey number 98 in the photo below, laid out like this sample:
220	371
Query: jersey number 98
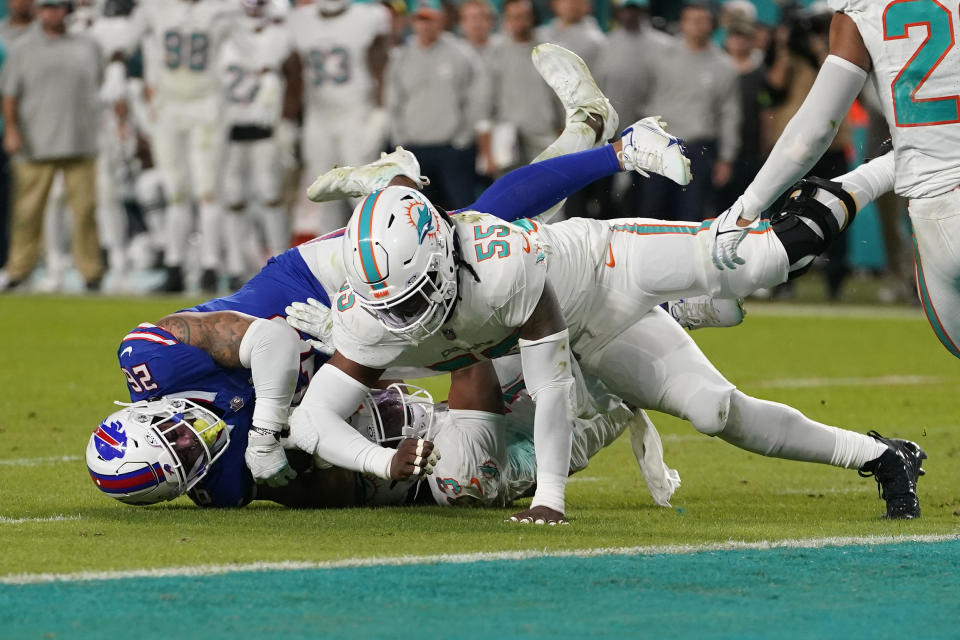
197	50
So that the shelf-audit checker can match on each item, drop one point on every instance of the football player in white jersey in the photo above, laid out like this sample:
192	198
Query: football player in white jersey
908	51
424	305
251	69
181	40
488	455
340	51
116	140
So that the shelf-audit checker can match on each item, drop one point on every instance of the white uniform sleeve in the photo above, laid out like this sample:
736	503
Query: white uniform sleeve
359	337
807	135
271	350
318	426
546	370
867	182
521	279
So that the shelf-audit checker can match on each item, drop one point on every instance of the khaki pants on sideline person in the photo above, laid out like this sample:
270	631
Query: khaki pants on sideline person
32	182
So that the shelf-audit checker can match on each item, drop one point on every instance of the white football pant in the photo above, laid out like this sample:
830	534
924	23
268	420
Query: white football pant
936	229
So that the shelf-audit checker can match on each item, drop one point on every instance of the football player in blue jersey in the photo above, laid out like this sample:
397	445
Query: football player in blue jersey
210	393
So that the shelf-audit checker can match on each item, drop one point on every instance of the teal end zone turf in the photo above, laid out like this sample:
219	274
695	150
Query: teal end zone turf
844	592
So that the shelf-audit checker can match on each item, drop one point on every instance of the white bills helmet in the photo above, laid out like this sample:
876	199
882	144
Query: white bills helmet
389	415
398	253
155	450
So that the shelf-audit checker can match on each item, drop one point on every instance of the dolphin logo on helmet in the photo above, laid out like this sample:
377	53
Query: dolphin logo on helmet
398	254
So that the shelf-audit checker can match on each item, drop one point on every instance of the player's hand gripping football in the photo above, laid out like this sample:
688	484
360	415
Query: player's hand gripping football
265	458
414	457
539	515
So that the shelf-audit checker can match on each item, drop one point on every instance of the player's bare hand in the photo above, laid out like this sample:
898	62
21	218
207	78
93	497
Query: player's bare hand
539	515
12	142
414	456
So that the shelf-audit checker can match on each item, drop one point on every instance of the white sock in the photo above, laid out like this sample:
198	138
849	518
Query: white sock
178	229
274	221
853	450
776	430
235	231
210	230
576	136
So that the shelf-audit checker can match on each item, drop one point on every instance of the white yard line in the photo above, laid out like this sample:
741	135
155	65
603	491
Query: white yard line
801	491
36	462
865	312
871	381
463	558
56	518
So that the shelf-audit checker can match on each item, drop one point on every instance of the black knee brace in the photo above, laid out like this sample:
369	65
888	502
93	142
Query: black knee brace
802	242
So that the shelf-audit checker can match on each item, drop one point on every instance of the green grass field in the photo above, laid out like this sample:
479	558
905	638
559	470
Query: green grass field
856	367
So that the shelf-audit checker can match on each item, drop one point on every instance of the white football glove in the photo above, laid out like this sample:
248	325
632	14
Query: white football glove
314	318
727	236
265	458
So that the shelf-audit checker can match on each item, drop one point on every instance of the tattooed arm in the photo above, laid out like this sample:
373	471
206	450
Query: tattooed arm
219	333
271	350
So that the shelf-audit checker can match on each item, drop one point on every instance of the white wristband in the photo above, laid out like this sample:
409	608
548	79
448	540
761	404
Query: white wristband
550	490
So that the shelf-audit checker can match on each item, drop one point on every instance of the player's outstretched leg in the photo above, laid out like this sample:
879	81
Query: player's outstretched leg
654	364
590	118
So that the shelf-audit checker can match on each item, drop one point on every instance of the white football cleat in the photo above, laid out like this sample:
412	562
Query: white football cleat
648	147
568	76
355	182
706	311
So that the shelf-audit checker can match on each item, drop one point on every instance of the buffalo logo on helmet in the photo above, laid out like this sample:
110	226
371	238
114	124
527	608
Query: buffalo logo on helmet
110	440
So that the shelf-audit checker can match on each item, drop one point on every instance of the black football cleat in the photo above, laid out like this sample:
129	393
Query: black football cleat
172	281
209	281
234	283
896	472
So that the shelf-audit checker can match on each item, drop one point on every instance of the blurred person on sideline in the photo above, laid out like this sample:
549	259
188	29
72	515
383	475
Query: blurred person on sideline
339	53
799	51
628	85
753	100
20	16
437	92
574	28
476	20
50	91
526	113
695	89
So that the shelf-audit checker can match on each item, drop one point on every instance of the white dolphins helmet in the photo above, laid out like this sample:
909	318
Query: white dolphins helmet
155	450
398	253
333	6
389	415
